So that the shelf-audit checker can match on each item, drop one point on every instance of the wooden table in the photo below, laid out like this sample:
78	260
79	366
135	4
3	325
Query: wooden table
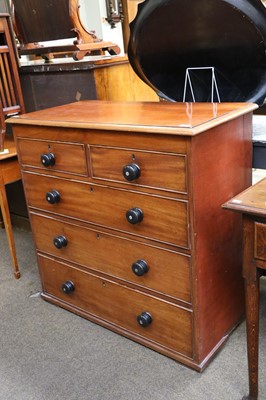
252	204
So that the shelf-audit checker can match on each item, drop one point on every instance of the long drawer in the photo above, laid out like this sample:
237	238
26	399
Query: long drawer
147	266
164	219
158	170
167	324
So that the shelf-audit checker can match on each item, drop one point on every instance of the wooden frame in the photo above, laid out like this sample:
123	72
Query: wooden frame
37	21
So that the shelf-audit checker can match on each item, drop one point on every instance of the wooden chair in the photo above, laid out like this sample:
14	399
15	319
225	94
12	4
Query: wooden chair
41	21
11	102
11	99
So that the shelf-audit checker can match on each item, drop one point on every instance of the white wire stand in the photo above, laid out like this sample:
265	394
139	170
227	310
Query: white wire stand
188	82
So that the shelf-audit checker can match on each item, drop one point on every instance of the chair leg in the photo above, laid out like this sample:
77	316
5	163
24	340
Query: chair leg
2	140
9	231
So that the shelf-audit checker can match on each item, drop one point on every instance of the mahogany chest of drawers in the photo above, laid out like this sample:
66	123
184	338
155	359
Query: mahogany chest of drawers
125	203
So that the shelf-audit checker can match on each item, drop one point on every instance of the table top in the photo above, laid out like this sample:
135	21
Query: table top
187	119
10	148
251	201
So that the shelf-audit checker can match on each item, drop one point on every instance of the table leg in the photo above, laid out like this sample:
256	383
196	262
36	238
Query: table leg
8	227
252	324
1	221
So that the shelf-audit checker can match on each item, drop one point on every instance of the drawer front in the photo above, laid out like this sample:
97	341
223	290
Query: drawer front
164	219
160	270
171	325
150	169
68	158
260	241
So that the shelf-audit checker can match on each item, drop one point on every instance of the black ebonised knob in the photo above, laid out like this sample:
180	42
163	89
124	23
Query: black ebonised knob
53	197
131	172
48	159
68	287
60	241
134	215
140	267
144	319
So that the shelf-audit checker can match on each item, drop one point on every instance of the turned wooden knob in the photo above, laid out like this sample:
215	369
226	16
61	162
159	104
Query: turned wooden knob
68	287
144	319
53	197
134	215
60	241
140	267
131	172
48	159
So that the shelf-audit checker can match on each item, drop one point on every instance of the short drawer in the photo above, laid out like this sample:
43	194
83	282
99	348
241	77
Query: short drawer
164	219
171	325
65	157
260	241
147	266
144	168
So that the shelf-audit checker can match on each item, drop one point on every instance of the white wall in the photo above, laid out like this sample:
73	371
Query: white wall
91	15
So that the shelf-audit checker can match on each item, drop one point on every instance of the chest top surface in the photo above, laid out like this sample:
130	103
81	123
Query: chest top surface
250	201
170	118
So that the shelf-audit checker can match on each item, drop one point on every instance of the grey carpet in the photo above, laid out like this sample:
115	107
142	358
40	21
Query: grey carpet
48	353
